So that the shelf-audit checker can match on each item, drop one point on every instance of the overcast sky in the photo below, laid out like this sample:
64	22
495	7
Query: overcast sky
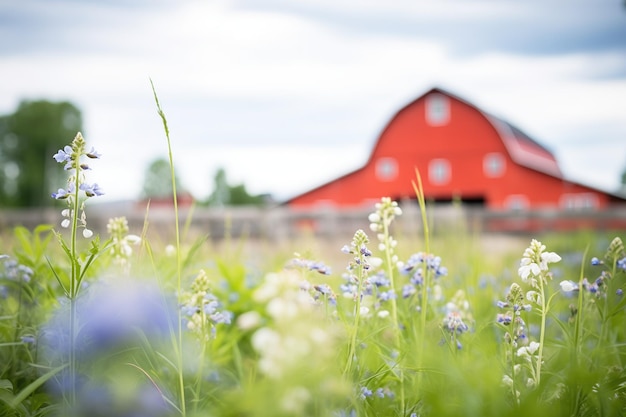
287	94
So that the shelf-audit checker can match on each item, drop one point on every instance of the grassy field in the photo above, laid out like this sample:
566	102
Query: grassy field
418	325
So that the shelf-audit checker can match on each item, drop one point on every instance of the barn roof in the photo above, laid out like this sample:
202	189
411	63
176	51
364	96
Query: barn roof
523	149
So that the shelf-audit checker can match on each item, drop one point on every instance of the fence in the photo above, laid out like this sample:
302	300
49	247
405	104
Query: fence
280	222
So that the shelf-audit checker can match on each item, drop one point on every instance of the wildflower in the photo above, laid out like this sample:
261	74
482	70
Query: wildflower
365	393
63	155
249	320
514	305
408	290
453	323
15	271
505	319
568	286
93	154
309	264
91	190
29	340
121	240
535	262
71	155
383	314
621	264
61	194
432	262
201	307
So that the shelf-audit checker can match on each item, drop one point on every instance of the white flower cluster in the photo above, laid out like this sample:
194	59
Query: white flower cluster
380	221
534	263
296	335
121	240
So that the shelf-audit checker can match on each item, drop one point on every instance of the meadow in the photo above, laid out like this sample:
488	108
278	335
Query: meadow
381	324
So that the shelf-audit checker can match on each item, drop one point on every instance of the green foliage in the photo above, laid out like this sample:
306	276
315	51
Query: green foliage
28	139
158	180
225	194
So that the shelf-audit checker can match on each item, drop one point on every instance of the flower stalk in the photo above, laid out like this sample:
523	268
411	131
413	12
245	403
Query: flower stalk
73	156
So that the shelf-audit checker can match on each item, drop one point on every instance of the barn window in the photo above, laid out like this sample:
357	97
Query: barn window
578	201
493	165
386	169
437	109
516	202
439	171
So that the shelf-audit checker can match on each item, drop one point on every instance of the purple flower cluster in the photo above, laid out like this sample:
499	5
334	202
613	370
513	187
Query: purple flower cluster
310	265
414	268
512	316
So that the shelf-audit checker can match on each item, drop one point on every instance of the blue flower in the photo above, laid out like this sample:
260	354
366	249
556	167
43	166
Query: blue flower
595	261
223	317
504	319
408	290
91	189
63	155
365	393
621	264
386	295
93	154
323	289
380	280
61	194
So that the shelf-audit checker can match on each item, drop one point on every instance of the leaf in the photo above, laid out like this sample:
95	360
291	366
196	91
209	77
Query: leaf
23	237
65	290
26	392
5	384
64	246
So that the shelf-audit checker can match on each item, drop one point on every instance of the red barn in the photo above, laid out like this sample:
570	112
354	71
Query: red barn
462	153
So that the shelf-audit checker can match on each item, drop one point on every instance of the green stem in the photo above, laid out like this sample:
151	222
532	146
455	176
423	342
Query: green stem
513	376
181	381
394	307
74	277
544	312
357	316
419	192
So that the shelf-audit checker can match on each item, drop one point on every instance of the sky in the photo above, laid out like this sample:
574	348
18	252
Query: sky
288	94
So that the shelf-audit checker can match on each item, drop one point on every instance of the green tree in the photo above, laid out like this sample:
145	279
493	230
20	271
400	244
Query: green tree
158	180
226	195
221	190
28	139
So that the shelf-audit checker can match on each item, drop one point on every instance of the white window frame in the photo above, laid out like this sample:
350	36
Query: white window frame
439	171
437	109
517	202
579	201
494	165
386	169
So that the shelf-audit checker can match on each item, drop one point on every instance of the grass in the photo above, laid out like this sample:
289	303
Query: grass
440	324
